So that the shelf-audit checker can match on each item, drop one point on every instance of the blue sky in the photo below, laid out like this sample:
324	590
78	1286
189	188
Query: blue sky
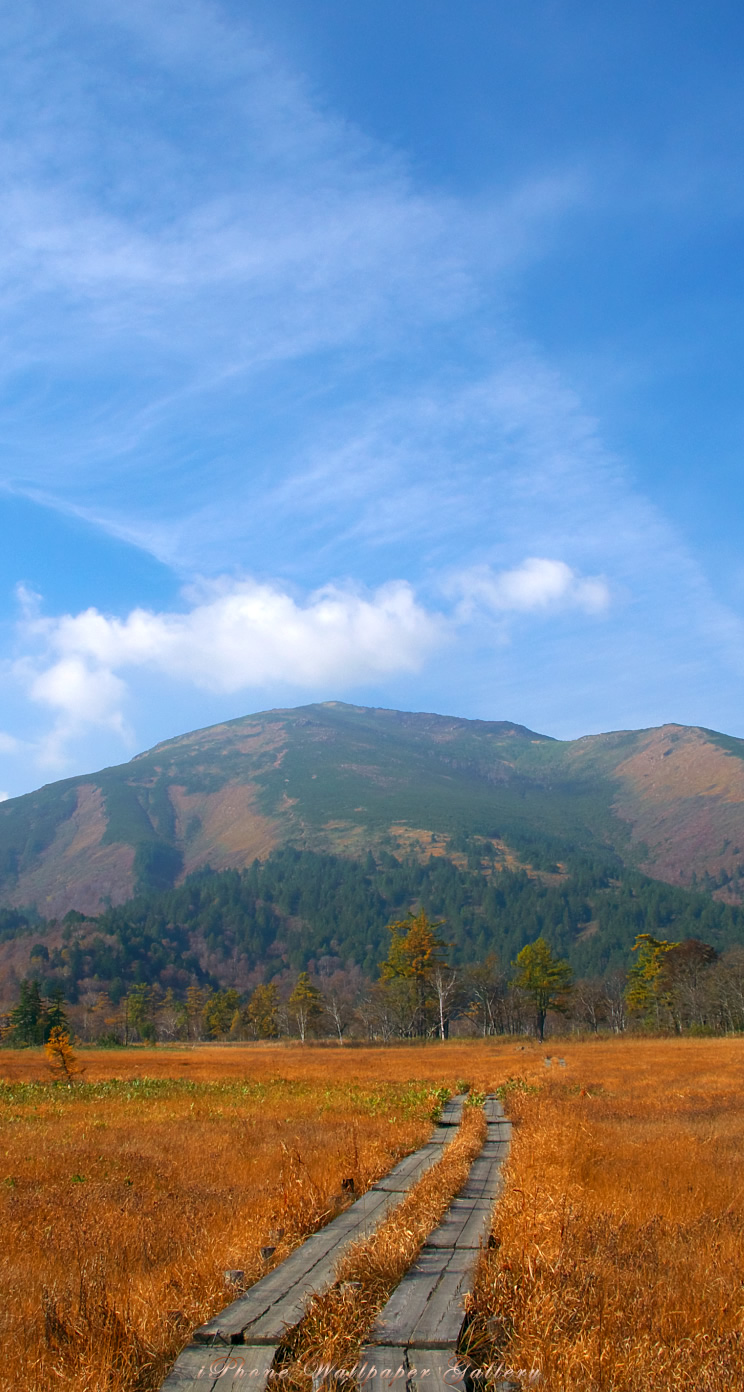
379	352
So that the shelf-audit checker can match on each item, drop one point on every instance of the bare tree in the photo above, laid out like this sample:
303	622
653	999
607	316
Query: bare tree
725	987
445	983
171	1019
341	989
614	992
589	1002
486	987
685	972
339	1010
385	1012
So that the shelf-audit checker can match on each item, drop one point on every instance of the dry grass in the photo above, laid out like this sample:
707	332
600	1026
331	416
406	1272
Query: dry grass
122	1205
621	1264
124	1200
483	1063
337	1323
621	1267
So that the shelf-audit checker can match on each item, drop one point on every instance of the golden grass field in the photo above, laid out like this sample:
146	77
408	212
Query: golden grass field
621	1258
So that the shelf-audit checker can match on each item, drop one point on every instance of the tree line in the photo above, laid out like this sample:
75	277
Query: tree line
669	986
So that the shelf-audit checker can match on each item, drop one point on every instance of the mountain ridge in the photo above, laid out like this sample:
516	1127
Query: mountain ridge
340	778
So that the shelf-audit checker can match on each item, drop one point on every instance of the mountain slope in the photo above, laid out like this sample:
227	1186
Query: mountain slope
340	778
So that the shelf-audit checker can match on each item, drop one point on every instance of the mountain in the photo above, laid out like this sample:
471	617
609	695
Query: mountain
342	779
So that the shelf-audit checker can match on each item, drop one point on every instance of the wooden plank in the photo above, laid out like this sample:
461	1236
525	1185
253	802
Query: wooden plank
475	1232
443	1315
406	1174
484	1179
451	1113
395	1324
427	1310
366	1210
458	1220
384	1368
432	1370
227	1327
450	1229
487	1192
496	1149
481	1170
463	1227
267	1307
404	1166
200	1369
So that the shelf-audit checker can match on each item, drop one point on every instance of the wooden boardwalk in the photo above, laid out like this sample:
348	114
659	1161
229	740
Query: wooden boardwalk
413	1343
240	1343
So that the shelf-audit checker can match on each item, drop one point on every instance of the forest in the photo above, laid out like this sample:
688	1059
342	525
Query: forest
301	910
327	916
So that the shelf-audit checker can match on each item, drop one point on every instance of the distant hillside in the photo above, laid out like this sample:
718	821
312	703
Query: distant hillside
300	910
340	779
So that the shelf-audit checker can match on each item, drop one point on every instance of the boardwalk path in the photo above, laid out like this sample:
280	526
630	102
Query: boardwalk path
414	1339
241	1341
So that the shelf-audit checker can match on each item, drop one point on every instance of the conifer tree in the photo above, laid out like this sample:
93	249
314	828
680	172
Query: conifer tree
27	1018
263	1008
196	1000
416	953
55	1015
544	978
305	1005
139	1001
648	988
219	1012
61	1057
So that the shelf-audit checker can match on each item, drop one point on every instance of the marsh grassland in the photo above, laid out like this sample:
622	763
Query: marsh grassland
621	1260
621	1230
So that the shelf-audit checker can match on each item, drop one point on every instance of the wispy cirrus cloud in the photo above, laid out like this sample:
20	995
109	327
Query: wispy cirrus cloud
267	263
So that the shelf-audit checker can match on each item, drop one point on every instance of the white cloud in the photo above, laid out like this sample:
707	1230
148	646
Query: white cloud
240	636
85	696
81	697
247	635
538	584
4	797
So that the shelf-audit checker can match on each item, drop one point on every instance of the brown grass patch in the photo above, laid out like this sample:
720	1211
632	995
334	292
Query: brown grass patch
78	870
621	1259
233	830
484	1064
122	1205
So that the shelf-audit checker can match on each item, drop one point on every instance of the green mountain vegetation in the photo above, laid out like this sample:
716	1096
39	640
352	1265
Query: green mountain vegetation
303	909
